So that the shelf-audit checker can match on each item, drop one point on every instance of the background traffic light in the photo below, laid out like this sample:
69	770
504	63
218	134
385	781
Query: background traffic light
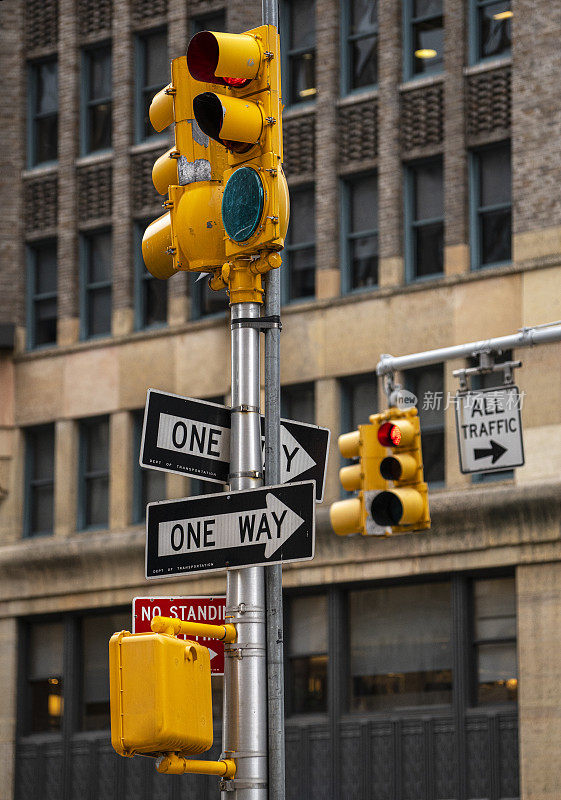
190	235
243	113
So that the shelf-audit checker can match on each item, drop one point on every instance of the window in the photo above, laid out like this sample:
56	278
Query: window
427	385
152	74
93	489
423	33
359	399
96	99
300	249
298	402
494	640
209	22
307	654
151	294
490	29
149	485
42	294
96	632
45	677
96	284
299	29
43	112
400	648
40	480
360	232
205	301
424	219
360	59
490	206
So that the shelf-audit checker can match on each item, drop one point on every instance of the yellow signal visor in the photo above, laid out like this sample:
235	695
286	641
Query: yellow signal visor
198	230
160	694
396	433
235	123
161	109
155	245
350	477
227	59
399	468
349	444
164	172
346	516
397	507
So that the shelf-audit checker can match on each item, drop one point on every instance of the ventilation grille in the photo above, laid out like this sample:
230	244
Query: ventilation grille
143	10
41	24
94	192
144	197
358	132
94	16
422	117
40	204
299	143
488	102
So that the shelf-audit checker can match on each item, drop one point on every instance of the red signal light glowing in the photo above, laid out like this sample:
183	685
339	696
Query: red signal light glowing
389	435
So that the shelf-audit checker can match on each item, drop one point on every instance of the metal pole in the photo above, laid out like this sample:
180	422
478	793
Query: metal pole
526	337
244	735
273	574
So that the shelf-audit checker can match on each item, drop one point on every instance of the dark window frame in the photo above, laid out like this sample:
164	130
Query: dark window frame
409	20
289	248
410	382
347	235
347	385
474	44
85	475
141	88
202	22
86	103
476	209
33	115
87	286
346	42
411	225
32	483
288	53
140	474
33	297
286	399
142	280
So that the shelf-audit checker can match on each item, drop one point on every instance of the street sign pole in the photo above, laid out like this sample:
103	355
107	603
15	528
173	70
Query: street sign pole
244	735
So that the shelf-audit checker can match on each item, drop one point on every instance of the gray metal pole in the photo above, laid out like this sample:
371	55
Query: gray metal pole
526	337
244	736
273	574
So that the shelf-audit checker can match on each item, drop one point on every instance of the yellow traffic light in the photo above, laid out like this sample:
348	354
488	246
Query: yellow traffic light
160	694
403	507
244	114
352	515
190	235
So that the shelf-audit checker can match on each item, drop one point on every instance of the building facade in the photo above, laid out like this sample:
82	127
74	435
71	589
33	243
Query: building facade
423	158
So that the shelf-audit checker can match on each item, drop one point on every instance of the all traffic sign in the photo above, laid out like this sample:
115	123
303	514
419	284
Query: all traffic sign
210	610
489	429
192	437
271	525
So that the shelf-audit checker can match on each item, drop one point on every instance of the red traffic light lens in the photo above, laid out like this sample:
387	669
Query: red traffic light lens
389	435
202	61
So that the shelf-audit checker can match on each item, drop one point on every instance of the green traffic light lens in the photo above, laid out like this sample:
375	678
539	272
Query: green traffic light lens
242	204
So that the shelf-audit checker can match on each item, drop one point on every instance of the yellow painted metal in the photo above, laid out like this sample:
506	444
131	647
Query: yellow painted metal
173	627
348	516
160	695
172	764
244	284
242	119
239	55
161	108
197	229
156	243
164	171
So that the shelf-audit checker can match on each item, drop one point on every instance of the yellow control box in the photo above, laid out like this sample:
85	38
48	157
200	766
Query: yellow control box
160	692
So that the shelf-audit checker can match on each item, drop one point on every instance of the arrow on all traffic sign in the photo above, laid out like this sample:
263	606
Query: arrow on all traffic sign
495	450
273	525
294	459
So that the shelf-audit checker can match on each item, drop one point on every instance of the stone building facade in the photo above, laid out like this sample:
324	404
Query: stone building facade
423	158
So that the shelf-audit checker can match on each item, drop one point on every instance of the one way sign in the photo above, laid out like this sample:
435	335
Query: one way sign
489	429
271	525
192	437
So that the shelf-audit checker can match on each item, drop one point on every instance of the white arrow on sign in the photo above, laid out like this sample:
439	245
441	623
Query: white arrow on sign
273	525
294	459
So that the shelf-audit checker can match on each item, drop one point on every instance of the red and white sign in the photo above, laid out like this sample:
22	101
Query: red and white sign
210	610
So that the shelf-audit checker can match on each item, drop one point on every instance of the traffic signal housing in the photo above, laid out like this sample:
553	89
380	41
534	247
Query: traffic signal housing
243	113
160	693
352	515
190	234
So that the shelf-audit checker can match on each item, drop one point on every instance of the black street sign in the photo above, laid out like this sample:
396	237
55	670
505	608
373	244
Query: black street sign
192	437
270	525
